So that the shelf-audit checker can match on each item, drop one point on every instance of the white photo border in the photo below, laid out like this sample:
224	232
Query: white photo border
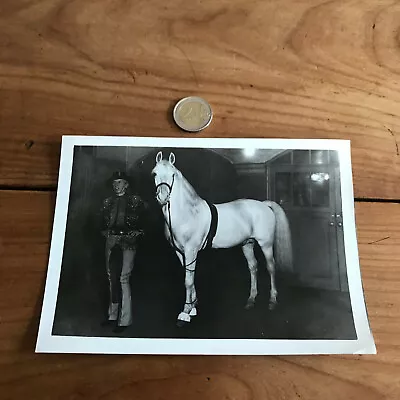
48	343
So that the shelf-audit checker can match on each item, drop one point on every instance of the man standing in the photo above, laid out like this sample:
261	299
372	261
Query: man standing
122	226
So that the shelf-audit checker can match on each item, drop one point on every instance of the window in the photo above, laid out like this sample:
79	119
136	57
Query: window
302	178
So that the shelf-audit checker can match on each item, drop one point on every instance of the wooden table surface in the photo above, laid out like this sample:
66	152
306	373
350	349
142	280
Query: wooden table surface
296	69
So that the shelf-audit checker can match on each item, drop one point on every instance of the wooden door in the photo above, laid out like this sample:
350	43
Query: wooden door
307	185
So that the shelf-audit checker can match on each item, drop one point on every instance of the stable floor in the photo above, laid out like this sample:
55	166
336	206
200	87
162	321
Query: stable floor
222	282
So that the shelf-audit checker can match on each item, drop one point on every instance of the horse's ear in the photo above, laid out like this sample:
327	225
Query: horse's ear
159	157
172	158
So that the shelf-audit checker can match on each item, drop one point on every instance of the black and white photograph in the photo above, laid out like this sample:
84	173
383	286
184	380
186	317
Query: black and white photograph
204	246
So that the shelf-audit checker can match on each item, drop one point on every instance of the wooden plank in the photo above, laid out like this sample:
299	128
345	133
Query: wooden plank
24	245
311	69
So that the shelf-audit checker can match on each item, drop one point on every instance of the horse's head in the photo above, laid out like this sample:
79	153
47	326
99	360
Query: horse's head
164	176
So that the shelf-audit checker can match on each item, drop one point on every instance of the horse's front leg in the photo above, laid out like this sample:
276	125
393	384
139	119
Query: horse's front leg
189	309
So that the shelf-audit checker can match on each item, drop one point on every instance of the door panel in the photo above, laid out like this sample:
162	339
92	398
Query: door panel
314	251
307	186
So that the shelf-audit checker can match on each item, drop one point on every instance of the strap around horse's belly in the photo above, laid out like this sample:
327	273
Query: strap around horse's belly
213	225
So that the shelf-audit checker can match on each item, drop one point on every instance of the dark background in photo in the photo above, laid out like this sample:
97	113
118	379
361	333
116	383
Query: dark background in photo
313	303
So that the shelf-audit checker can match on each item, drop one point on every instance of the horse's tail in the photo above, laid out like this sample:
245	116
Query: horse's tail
282	241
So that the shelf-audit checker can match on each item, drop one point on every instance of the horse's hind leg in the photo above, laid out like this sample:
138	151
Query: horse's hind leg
248	251
269	256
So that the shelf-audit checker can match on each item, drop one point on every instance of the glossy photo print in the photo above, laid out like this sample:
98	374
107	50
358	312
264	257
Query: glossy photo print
204	246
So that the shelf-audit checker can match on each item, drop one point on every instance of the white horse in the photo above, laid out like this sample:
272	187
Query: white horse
240	222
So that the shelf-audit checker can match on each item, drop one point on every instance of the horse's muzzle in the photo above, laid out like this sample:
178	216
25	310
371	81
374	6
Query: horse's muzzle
163	192
163	195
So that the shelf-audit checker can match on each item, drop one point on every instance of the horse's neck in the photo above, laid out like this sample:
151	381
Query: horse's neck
184	199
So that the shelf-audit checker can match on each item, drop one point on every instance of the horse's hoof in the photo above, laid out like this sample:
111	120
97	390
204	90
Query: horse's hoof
272	306
249	305
193	312
180	323
183	319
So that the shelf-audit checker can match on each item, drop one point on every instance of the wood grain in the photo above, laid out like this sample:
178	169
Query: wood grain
24	246
312	68
298	69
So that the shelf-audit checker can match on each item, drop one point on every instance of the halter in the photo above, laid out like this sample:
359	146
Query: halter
169	186
168	204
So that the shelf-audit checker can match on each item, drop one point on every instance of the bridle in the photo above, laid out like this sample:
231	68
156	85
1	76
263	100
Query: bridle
167	203
169	224
169	186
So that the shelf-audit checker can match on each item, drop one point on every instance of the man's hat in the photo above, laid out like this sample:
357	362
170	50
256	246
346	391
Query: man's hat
119	175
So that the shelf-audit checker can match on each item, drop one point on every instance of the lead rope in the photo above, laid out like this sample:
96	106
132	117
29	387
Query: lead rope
178	249
173	242
169	223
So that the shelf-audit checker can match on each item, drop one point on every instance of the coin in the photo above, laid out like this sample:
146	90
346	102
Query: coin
192	114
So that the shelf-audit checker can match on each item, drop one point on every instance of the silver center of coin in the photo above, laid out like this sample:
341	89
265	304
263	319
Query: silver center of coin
192	114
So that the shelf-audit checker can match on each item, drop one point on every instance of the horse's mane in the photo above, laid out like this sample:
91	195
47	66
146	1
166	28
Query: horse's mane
194	197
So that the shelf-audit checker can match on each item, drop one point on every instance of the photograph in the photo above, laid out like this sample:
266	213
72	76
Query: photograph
204	246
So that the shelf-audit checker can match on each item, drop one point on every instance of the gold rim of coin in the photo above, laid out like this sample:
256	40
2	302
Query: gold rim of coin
192	114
